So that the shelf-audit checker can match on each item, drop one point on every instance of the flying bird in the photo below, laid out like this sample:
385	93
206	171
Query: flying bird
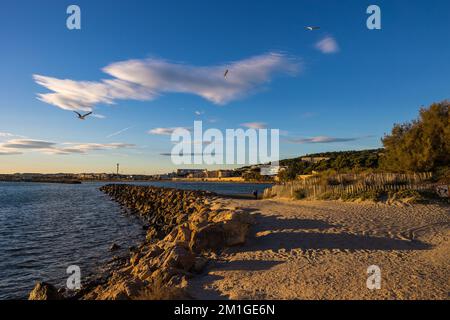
82	117
225	74
312	28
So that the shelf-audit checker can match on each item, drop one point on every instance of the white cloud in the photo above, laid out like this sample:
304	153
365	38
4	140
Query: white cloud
26	144
6	152
327	45
6	134
146	79
86	147
321	139
255	125
199	113
9	135
165	131
18	146
83	95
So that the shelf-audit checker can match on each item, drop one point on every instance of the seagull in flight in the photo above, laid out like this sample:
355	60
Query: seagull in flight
312	28
82	117
225	74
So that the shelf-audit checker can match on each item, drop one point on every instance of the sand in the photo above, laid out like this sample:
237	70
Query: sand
321	250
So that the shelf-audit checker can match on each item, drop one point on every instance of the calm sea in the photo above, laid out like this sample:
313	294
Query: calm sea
44	228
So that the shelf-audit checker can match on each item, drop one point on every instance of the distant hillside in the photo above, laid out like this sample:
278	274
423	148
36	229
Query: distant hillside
342	161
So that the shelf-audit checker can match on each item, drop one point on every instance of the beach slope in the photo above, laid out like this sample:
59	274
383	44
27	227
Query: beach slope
322	250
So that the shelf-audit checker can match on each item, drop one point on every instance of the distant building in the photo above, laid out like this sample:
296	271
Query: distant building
270	170
186	172
222	174
197	174
314	159
226	173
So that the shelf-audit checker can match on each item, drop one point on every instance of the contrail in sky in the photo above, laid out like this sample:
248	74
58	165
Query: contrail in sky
118	132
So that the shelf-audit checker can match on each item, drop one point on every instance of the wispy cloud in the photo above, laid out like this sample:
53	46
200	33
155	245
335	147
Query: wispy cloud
167	154
27	144
9	135
87	147
18	146
321	139
6	152
327	45
165	131
255	125
98	116
148	78
199	113
118	132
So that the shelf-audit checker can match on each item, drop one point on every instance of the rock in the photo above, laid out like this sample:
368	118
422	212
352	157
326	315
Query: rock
114	247
179	258
134	260
152	252
235	233
200	264
183	236
237	215
178	280
179	224
45	291
229	228
208	237
151	234
235	224
171	236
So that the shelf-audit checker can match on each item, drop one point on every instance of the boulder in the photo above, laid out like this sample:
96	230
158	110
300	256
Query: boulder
228	228
210	236
45	291
179	258
114	247
200	264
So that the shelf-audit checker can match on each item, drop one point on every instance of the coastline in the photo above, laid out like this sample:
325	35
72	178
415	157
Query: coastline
183	228
138	181
200	245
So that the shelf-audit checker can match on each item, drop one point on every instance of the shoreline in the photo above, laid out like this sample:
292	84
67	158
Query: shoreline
136	181
325	243
184	228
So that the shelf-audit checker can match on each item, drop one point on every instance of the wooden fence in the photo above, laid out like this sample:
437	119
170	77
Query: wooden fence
315	186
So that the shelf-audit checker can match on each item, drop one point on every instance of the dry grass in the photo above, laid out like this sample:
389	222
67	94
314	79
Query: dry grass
160	291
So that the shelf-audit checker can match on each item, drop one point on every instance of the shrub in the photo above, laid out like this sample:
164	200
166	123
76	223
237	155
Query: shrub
329	196
421	145
159	291
412	196
300	194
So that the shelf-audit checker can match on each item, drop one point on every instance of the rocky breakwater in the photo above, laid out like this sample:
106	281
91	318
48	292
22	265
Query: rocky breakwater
184	229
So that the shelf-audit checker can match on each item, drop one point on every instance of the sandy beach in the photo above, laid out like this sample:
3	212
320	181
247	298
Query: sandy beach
321	250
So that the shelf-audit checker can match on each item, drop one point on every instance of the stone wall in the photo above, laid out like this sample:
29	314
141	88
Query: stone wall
183	226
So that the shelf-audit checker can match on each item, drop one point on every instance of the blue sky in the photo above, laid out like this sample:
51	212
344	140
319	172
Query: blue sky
344	95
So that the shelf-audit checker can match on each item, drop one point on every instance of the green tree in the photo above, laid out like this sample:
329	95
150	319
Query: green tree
421	145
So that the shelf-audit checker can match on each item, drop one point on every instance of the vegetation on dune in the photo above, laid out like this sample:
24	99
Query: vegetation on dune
415	157
342	162
421	145
405	196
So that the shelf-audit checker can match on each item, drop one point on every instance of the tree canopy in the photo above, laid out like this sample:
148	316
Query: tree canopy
420	145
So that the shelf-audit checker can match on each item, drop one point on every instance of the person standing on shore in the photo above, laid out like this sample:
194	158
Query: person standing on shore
255	194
